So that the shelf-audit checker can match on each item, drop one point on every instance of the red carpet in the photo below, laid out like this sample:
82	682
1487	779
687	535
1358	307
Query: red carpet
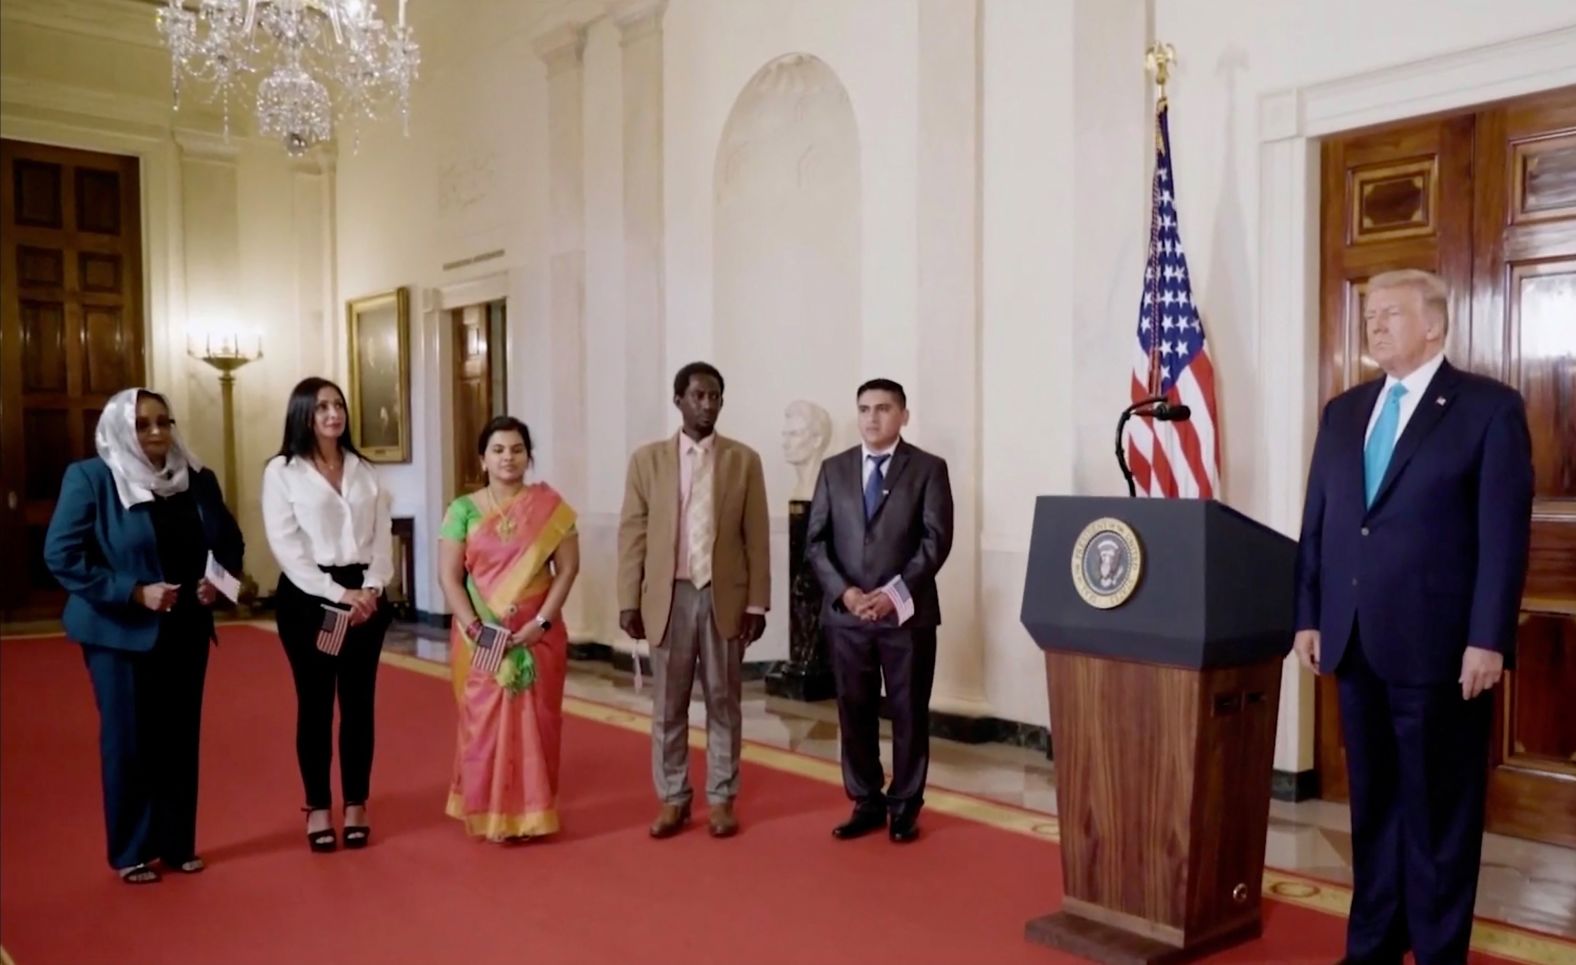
783	891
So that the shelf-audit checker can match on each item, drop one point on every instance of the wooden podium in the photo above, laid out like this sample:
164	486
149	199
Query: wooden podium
1165	624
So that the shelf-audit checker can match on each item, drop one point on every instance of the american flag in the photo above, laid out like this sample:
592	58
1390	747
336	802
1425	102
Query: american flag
331	632
487	653
902	603
1171	459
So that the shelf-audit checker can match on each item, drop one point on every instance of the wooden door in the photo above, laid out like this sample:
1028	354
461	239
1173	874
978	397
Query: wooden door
1488	200
1395	198
472	394
70	336
1524	334
479	388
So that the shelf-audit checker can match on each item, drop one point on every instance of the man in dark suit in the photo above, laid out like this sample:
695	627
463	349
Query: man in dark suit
880	528
1409	576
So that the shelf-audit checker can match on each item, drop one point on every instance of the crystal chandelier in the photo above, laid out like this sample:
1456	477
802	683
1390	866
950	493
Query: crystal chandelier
300	50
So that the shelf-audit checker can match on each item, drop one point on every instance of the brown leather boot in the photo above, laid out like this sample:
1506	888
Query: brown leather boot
722	822
670	820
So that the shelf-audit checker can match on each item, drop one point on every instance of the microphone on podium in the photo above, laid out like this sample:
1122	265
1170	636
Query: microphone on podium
1158	408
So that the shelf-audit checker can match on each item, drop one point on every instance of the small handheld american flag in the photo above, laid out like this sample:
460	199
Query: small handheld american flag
487	654
331	632
902	603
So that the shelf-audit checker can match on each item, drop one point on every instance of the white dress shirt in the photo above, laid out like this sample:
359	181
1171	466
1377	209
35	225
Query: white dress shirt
310	525
864	479
1416	384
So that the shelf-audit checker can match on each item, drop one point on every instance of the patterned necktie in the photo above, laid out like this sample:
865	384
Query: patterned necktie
698	522
873	484
1381	442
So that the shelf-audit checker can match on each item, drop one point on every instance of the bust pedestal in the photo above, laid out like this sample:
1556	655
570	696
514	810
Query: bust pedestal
807	673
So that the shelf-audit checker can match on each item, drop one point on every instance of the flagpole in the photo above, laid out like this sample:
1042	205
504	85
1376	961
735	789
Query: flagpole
1157	63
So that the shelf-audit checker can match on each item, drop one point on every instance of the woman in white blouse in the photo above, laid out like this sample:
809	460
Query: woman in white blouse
328	525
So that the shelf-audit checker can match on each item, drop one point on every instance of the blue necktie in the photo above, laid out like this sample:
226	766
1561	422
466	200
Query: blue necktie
1381	442
873	485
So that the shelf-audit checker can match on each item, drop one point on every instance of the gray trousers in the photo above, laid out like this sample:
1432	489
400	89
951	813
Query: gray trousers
692	637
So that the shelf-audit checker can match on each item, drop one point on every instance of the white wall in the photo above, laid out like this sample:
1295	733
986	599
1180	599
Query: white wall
786	254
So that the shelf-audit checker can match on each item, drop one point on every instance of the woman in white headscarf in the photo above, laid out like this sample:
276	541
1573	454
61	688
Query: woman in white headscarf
130	542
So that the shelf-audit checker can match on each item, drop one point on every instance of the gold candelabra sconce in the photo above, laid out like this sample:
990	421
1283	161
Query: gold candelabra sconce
227	350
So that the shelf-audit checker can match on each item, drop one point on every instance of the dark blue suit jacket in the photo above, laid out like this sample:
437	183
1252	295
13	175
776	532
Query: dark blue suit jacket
1437	564
99	551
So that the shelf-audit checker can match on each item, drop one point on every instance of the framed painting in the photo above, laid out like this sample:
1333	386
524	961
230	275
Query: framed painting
380	375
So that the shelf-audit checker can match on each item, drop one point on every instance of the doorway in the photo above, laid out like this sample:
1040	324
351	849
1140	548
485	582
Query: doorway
480	383
1487	199
71	336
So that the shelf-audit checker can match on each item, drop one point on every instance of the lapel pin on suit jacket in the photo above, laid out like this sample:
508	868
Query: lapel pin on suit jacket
1439	401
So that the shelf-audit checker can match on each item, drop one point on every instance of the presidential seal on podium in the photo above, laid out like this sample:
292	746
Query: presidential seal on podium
1107	562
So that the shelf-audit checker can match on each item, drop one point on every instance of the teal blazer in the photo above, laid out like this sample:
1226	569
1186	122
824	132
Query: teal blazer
99	551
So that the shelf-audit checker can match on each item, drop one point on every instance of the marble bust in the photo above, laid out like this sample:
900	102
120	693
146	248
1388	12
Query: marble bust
807	430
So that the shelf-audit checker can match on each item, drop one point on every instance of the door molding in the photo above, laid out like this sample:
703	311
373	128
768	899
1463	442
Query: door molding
432	395
1290	123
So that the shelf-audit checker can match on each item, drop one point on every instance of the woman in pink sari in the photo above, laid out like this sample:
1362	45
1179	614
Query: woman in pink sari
508	555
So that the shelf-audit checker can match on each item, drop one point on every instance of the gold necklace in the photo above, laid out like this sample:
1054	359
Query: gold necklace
506	525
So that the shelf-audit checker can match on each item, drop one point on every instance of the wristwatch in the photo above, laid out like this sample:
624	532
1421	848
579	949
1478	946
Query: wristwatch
544	623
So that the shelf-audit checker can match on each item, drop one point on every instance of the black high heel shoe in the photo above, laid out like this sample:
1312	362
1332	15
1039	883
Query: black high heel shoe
356	835
324	841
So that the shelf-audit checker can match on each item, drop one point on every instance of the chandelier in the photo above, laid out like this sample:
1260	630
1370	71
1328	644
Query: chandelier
319	62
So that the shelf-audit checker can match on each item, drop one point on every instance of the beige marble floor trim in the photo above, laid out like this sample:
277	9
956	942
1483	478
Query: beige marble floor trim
1489	937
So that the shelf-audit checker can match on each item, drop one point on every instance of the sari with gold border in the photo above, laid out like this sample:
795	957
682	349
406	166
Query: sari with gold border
505	782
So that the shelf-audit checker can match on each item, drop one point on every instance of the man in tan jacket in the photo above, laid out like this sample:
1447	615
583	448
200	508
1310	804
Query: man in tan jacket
694	578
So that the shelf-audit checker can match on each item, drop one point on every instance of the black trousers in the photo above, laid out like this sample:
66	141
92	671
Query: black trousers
906	659
1417	763
150	722
353	673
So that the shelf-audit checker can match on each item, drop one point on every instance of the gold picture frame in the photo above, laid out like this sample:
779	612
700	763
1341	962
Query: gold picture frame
379	327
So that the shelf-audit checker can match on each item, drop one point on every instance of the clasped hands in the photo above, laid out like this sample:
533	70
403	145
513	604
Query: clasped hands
161	597
527	635
751	627
1480	667
869	607
363	605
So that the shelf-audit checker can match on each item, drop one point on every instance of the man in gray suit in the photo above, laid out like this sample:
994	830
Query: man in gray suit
880	528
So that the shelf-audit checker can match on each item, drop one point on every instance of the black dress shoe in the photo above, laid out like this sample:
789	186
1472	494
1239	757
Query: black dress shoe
859	825
904	830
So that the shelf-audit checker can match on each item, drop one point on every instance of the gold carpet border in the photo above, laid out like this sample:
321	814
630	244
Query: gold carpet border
1491	938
